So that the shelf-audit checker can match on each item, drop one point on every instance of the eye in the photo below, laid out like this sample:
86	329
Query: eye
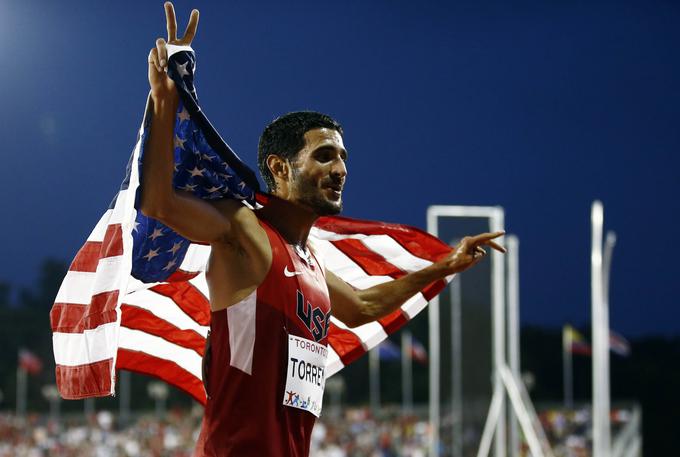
324	155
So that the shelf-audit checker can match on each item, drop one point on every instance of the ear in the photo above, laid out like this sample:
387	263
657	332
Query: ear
279	167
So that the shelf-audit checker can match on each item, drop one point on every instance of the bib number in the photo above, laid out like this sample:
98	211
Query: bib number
306	374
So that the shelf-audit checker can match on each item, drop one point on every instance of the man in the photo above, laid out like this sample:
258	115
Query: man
271	298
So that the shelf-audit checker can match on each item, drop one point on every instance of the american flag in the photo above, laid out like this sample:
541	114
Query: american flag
136	297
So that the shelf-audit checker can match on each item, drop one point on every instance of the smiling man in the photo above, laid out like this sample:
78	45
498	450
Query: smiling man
271	297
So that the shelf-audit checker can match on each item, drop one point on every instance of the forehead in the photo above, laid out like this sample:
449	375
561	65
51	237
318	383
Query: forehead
323	137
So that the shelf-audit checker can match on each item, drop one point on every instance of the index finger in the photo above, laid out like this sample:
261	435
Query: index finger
171	22
483	237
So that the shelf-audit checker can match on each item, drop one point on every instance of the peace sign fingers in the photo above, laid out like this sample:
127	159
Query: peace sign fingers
171	23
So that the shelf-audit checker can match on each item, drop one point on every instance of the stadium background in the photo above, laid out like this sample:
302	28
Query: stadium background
539	107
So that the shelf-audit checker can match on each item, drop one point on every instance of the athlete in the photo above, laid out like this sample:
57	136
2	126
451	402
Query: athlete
271	297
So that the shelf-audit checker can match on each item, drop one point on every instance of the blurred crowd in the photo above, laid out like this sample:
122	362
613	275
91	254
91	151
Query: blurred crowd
353	433
570	431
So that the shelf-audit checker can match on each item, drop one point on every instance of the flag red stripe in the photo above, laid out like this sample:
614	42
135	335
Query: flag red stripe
433	289
188	298
417	242
74	318
136	318
166	370
113	241
375	264
83	381
87	258
345	343
394	321
370	261
181	275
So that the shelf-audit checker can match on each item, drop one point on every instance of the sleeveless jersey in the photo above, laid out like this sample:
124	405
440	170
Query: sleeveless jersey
245	364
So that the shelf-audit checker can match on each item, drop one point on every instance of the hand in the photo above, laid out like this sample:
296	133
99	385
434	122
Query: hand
161	85
470	251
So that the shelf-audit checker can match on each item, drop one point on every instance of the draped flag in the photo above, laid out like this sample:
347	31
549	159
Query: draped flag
136	298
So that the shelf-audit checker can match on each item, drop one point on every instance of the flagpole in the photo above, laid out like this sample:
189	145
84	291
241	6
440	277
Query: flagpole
567	369
124	398
456	369
600	331
512	244
21	392
374	378
406	373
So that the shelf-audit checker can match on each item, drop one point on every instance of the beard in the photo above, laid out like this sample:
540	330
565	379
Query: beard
310	195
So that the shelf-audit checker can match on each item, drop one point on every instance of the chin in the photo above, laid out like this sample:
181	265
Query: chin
323	207
329	209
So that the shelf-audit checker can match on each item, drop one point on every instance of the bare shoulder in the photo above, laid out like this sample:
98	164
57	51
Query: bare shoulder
246	232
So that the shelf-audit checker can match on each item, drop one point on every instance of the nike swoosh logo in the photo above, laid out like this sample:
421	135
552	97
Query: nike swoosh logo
289	274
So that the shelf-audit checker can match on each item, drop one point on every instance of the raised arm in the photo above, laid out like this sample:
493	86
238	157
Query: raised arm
358	307
190	216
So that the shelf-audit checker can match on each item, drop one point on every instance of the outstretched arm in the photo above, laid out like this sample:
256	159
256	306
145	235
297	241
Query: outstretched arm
358	307
190	216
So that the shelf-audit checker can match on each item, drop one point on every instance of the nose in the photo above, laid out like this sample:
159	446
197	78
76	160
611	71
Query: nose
339	169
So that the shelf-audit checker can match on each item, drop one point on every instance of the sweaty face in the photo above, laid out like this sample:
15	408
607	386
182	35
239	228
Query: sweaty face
319	172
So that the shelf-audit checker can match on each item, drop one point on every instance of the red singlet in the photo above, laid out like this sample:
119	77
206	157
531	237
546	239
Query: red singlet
246	365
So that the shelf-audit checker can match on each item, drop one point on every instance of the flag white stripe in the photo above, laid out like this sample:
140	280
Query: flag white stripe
166	309
200	282
414	305
79	286
119	215
196	258
72	349
395	252
344	267
333	362
97	234
155	346
370	334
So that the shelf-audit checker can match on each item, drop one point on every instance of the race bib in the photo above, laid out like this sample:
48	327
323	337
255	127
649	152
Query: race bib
306	376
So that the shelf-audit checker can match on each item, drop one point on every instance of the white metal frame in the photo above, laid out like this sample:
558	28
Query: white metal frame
495	216
506	379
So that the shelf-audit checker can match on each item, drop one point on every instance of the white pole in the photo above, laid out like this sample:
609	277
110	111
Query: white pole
512	244
88	407
600	335
567	369
433	322
124	398
498	303
406	373
21	392
374	378
456	369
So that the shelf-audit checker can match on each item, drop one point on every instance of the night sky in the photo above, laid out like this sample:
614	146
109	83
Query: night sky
537	107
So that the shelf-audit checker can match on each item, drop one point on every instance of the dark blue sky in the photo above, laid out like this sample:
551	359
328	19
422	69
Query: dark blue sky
537	107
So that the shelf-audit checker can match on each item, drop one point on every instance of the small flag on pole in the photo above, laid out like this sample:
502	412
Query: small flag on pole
574	342
389	351
418	351
29	362
618	344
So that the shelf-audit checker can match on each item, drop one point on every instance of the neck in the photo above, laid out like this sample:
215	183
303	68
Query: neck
291	220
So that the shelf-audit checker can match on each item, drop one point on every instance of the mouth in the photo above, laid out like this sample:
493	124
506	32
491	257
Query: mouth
335	191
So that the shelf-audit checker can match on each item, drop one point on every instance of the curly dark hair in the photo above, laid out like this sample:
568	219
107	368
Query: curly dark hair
285	137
